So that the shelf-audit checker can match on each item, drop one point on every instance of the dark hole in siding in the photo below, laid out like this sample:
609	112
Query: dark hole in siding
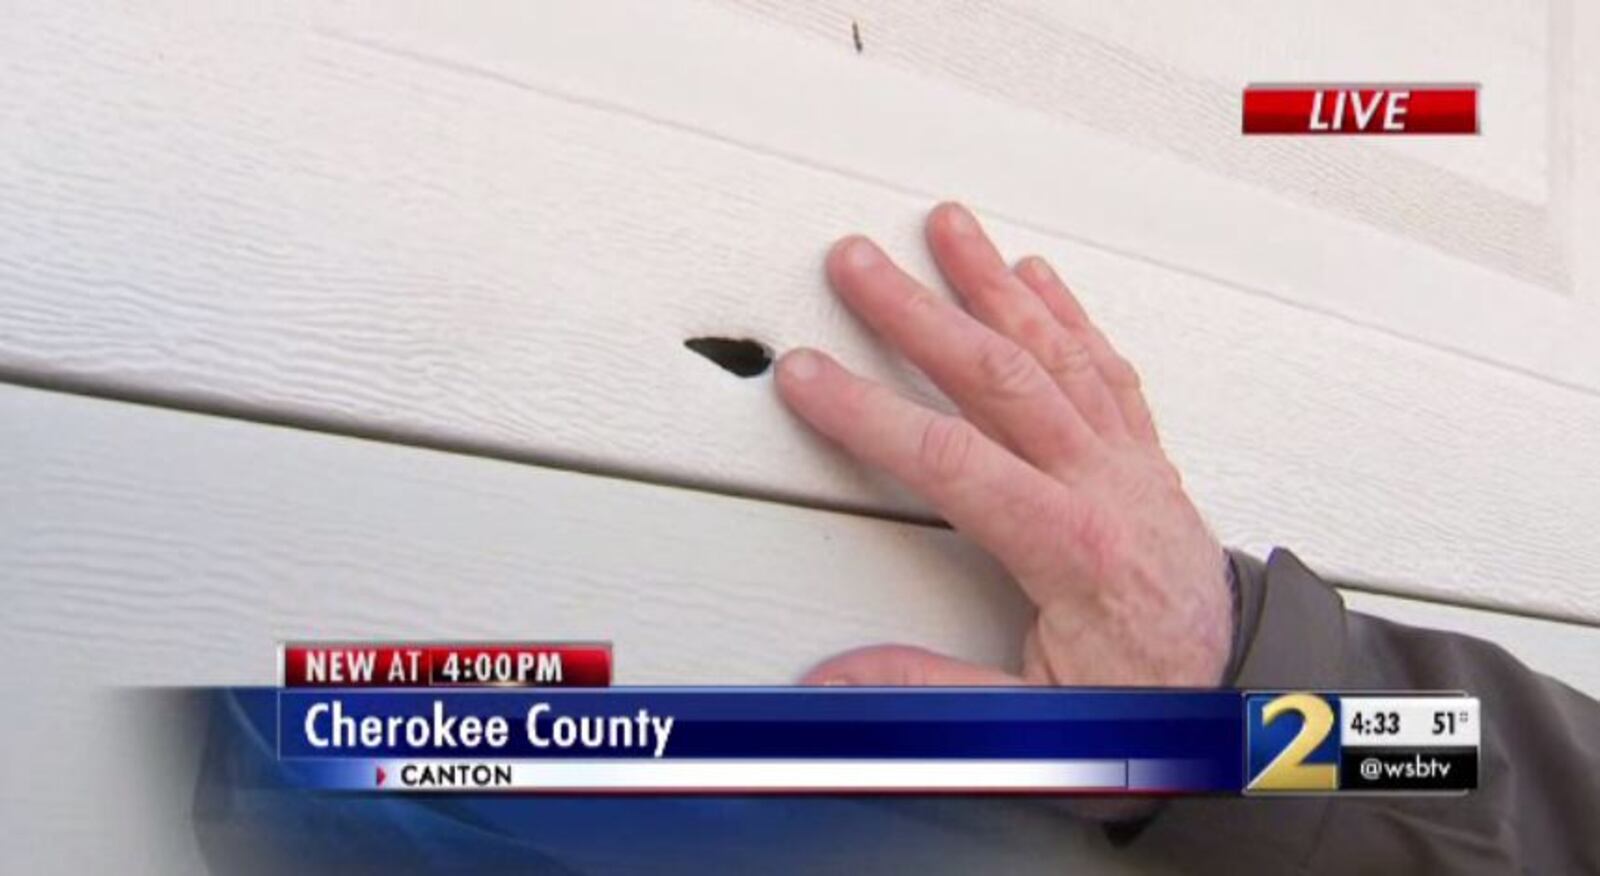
740	356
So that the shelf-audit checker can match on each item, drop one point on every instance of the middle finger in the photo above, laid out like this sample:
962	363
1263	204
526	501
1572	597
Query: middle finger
996	383
1006	304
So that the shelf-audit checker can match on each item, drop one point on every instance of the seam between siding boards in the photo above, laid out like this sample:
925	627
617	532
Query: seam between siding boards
176	402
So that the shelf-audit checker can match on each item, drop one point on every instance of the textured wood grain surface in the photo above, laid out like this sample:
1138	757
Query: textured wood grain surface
492	232
188	546
144	546
1168	78
490	228
169	547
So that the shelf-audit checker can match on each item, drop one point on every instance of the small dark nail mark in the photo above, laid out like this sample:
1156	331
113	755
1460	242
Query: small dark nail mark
855	33
743	357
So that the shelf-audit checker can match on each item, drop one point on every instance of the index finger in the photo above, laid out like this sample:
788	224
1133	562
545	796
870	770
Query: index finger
981	488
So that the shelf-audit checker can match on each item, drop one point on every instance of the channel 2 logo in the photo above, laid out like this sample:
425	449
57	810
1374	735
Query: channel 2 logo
1292	742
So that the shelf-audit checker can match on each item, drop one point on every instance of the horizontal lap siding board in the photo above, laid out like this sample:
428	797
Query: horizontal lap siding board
151	546
1168	78
144	546
189	545
401	225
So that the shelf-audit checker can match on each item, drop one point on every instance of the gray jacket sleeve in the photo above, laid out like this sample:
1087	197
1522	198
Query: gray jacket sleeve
1537	807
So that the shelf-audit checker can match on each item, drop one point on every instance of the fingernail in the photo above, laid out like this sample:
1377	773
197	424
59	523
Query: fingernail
801	365
835	682
1037	268
860	254
960	220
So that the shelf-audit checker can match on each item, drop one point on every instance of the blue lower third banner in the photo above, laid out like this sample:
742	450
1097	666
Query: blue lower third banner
784	740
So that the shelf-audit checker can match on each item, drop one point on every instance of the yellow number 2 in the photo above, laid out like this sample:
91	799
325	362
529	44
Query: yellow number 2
1289	771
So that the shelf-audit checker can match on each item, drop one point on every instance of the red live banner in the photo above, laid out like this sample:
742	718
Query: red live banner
402	664
1367	109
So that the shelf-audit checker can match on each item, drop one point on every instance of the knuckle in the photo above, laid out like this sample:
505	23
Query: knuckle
1037	334
1034	267
864	399
946	446
1067	358
859	397
995	289
1008	370
918	304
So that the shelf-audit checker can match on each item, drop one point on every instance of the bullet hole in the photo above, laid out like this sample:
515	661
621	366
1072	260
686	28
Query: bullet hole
740	356
855	34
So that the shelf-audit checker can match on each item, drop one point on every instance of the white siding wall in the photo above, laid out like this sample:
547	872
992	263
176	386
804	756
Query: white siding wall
487	228
492	229
150	547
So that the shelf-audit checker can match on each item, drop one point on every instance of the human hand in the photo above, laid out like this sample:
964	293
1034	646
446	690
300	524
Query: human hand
1054	467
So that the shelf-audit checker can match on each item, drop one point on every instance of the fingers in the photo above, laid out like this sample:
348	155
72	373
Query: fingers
1002	301
992	379
1114	371
982	489
904	666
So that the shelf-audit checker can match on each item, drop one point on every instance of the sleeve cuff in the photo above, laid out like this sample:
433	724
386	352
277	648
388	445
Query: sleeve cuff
1289	633
1290	630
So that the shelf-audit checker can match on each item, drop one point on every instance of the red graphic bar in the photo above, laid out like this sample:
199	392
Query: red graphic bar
1368	109
429	664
